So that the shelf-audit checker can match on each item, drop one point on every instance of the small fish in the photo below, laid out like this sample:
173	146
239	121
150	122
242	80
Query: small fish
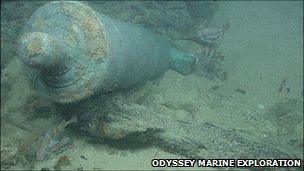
52	137
210	34
283	86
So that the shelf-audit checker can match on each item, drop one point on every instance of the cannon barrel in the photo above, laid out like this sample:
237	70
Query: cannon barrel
73	52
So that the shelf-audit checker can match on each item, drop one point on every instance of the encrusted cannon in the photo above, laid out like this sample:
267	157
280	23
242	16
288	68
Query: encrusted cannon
75	52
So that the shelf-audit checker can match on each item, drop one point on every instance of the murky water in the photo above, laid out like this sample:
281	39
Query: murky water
244	98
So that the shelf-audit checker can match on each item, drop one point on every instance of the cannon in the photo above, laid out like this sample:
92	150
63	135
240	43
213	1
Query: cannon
74	55
74	52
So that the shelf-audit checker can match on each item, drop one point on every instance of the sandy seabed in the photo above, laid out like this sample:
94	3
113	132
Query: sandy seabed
263	46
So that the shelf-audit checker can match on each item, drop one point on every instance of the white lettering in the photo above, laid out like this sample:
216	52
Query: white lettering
155	163
216	163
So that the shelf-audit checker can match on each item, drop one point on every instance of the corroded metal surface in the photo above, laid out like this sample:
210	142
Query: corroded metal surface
74	52
64	44
91	26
